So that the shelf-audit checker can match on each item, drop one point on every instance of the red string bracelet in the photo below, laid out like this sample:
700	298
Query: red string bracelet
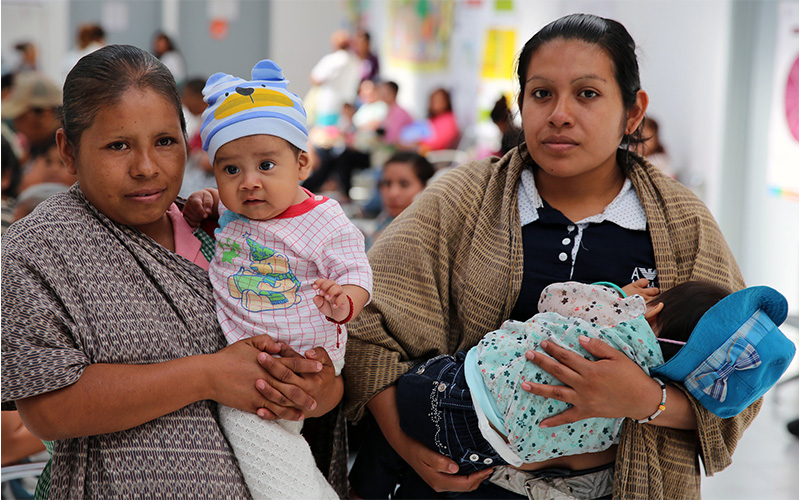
339	323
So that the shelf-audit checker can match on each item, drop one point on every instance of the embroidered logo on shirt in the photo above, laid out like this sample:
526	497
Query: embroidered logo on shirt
644	272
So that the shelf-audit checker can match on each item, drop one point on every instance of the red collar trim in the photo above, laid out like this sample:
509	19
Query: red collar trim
305	206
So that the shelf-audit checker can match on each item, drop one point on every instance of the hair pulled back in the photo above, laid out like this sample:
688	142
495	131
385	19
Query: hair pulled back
100	79
423	169
609	35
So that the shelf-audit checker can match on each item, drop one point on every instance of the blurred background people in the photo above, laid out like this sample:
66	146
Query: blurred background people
653	149
90	37
32	109
28	56
404	176
167	52
11	176
369	116
439	131
397	118
504	120
336	77
370	65
30	197
45	166
199	171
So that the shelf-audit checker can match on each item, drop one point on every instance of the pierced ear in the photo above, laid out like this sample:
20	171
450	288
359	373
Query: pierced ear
304	161
635	113
67	151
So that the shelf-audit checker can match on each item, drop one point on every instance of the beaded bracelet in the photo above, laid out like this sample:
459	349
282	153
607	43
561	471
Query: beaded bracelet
339	323
661	407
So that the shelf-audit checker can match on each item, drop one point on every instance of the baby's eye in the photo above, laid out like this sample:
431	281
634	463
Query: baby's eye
588	94
266	165
231	169
540	93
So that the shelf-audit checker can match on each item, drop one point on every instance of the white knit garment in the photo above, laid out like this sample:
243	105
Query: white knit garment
275	459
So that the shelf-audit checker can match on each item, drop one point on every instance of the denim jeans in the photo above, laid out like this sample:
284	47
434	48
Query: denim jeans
436	408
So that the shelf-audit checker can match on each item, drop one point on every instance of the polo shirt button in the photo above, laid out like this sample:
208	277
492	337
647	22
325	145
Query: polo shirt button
566	241
442	387
474	457
487	461
562	256
570	228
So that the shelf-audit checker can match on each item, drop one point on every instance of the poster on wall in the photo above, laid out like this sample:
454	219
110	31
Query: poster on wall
499	50
783	160
420	33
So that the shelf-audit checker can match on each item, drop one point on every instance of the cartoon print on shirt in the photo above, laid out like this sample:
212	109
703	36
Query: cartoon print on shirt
268	284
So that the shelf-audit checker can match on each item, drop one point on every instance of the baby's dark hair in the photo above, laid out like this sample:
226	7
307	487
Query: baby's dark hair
684	305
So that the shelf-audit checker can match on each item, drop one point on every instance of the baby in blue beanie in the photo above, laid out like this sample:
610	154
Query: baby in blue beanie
288	263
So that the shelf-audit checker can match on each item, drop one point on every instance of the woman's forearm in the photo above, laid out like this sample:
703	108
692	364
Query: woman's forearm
679	413
109	398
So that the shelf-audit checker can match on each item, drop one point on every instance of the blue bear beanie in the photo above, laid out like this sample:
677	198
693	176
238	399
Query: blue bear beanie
238	108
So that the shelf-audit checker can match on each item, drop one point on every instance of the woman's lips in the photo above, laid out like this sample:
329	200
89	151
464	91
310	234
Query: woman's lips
146	195
559	144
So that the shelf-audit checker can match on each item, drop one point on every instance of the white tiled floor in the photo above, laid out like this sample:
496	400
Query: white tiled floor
765	464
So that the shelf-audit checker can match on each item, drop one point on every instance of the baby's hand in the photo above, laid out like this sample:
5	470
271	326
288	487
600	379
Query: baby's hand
639	287
198	207
331	299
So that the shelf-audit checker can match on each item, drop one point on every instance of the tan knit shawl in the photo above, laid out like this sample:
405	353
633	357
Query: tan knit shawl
449	269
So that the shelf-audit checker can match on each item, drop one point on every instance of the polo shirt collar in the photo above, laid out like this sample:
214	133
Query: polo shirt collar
625	210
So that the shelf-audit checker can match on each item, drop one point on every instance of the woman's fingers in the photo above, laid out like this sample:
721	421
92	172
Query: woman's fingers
284	387
440	472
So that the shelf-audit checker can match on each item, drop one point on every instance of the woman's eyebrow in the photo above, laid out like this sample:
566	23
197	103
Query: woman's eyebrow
574	80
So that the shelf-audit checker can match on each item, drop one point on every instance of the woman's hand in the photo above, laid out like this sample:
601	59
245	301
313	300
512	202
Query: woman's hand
434	468
297	387
611	387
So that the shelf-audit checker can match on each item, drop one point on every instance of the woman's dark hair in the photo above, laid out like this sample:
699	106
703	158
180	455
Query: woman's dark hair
448	100
100	79
684	305
609	35
423	169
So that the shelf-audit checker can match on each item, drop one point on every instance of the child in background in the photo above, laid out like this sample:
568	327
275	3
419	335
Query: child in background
471	407
288	263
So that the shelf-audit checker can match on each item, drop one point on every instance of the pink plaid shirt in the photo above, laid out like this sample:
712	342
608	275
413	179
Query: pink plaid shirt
263	273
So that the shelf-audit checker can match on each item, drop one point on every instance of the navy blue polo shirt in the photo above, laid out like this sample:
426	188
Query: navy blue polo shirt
614	246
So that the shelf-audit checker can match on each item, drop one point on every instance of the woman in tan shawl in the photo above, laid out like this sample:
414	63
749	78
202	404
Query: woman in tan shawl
477	247
111	346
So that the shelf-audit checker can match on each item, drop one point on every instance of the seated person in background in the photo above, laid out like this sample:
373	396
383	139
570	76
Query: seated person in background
18	443
397	118
369	116
32	196
45	166
510	133
653	149
289	263
483	418
11	175
32	108
404	176
439	131
199	172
